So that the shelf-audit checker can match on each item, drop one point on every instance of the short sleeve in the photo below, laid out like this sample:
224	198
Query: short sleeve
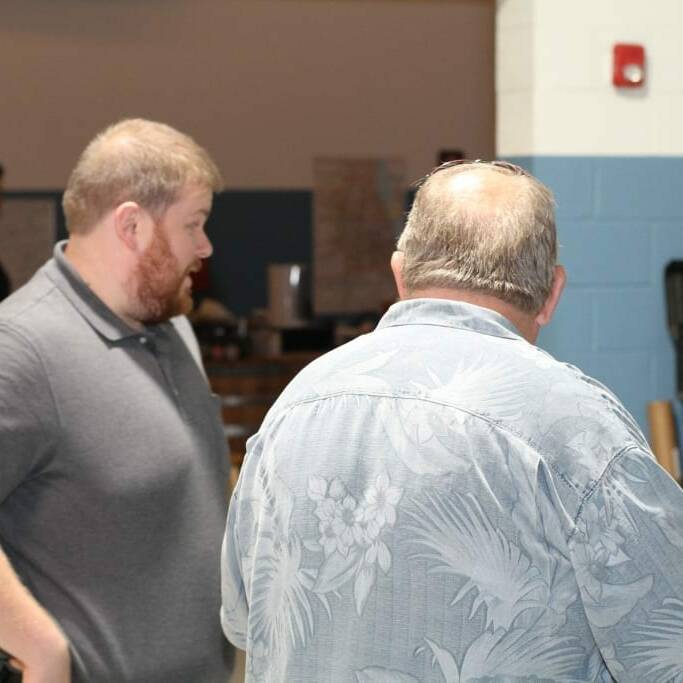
627	553
28	420
234	608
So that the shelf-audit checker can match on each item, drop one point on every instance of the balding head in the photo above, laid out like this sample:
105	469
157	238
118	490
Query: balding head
483	228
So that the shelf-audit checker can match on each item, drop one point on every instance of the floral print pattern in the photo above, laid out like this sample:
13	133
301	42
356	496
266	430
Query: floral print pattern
350	534
441	501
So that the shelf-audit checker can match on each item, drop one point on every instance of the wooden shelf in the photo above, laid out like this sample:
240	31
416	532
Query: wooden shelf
248	388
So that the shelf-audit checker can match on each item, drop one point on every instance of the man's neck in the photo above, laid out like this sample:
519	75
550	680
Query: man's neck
98	267
524	322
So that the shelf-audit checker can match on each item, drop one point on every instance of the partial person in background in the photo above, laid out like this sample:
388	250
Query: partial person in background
5	284
112	455
442	500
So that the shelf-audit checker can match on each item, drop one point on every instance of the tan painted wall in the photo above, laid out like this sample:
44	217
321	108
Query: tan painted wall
265	85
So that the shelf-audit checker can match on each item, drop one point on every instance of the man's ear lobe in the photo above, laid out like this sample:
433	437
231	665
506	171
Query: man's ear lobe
397	270
127	219
546	313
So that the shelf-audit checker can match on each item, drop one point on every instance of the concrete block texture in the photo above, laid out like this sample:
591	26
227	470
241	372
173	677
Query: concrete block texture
620	222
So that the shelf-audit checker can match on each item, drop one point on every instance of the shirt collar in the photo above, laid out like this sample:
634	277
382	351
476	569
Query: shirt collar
449	313
86	302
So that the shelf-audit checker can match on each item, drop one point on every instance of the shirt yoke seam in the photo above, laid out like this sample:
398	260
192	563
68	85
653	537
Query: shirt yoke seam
481	416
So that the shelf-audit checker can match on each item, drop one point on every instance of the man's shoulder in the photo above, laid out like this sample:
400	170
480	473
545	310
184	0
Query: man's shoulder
572	421
346	369
35	310
577	425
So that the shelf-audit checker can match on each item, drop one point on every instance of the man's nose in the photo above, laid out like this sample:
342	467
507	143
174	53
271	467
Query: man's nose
204	246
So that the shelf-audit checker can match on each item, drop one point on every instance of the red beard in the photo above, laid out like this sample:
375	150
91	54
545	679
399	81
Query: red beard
160	292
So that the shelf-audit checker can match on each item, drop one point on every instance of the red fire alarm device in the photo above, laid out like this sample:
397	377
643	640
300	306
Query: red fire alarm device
629	66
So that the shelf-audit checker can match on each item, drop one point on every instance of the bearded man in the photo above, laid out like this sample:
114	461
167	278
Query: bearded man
112	455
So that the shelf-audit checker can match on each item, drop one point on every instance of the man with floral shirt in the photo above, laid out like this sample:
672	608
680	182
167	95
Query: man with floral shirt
442	500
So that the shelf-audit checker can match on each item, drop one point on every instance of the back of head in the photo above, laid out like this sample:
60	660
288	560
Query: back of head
134	160
483	227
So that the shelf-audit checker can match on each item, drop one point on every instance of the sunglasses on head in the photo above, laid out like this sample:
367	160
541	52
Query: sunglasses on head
513	169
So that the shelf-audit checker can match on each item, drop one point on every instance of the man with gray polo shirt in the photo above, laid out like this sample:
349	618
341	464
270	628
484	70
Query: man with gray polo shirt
112	455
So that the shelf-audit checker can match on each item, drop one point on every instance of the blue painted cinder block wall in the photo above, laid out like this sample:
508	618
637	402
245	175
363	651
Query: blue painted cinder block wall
620	221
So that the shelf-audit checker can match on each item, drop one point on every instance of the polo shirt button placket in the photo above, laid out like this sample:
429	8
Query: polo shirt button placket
179	403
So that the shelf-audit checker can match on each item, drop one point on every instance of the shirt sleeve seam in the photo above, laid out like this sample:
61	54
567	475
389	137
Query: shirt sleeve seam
605	473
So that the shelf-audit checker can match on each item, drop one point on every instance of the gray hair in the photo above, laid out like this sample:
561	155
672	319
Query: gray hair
135	160
501	243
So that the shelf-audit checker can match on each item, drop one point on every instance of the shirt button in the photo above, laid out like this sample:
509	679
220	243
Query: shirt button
143	340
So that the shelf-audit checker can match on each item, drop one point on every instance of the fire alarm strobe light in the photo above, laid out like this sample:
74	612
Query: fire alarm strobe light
629	66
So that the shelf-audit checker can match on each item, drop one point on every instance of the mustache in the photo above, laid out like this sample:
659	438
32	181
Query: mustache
194	268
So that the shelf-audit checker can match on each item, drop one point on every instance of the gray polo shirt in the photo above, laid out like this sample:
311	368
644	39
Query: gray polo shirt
112	483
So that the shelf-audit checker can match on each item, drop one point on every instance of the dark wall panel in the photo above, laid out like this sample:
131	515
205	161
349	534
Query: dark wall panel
249	230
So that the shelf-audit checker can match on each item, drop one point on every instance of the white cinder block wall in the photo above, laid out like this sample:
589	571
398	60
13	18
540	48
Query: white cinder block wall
553	76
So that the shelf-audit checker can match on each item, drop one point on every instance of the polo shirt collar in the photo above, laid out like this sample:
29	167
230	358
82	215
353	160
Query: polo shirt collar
86	302
449	313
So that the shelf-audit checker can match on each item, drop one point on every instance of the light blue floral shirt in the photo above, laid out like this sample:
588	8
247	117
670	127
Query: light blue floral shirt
440	500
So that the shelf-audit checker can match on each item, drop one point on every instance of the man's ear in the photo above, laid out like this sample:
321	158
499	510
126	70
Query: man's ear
397	270
545	315
127	224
